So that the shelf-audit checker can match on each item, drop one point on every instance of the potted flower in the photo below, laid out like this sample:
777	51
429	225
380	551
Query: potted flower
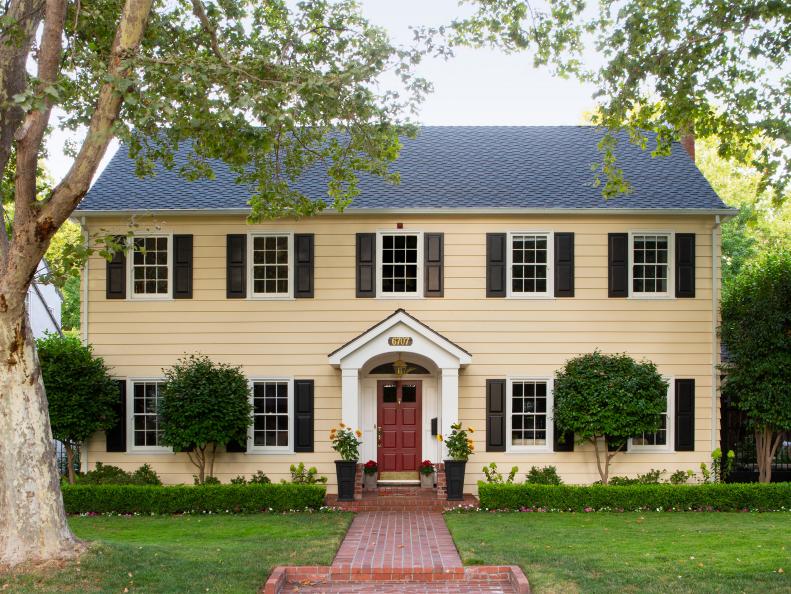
347	443
427	474
370	470
459	447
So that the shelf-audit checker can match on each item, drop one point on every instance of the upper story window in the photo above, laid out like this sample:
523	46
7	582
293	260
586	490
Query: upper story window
529	414
400	257
271	414
271	265
151	266
145	397
651	254
661	439
530	269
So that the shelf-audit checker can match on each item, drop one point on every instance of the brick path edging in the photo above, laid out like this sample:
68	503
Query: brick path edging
312	575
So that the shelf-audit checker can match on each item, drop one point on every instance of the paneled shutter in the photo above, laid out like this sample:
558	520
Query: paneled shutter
236	267
685	415
496	261
116	274
434	264
235	447
303	415
495	415
564	265
618	254
116	435
366	265
566	444
685	265
182	266
303	265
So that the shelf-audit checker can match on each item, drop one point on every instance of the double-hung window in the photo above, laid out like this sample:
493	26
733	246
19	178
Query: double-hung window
530	264
271	274
650	270
150	267
529	422
400	264
272	412
143	398
662	439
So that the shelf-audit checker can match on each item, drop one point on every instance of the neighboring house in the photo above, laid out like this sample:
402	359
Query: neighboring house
44	302
493	262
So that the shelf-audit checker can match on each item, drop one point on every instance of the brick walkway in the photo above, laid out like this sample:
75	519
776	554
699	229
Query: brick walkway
398	552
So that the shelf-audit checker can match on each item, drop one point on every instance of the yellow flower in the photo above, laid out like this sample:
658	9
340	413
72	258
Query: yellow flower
470	429
358	433
439	438
343	426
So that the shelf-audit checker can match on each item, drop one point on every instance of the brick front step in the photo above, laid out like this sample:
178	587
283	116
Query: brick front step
505	579
399	502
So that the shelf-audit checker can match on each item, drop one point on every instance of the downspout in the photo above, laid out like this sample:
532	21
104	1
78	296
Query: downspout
715	347
84	322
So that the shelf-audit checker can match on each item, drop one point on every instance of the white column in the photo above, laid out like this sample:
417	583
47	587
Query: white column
350	397
450	400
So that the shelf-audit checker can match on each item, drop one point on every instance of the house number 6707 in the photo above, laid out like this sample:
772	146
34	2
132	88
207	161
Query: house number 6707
398	341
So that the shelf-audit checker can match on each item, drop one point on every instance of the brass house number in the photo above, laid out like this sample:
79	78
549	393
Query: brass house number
400	341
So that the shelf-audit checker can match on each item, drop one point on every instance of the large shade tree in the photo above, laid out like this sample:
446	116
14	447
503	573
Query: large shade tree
267	87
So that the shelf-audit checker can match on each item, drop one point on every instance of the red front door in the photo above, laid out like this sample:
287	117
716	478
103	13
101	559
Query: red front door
398	425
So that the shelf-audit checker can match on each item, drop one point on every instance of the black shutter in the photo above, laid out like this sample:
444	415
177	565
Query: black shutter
434	264
182	266
495	264
564	265
562	442
685	264
495	415
366	265
685	415
303	415
235	447
116	273
303	265
116	435
618	255
236	267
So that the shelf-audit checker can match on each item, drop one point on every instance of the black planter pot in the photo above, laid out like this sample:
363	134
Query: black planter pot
345	470
454	478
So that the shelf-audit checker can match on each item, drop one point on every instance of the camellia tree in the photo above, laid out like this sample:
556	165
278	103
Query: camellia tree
756	328
80	392
267	88
204	405
606	399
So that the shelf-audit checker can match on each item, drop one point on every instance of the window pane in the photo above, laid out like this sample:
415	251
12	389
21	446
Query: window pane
150	266
270	265
650	264
408	393
270	414
389	393
531	250
399	263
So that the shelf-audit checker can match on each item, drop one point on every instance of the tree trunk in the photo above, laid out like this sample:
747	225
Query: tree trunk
32	523
766	443
604	470
70	462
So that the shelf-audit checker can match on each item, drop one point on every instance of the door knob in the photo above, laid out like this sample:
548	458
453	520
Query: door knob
379	436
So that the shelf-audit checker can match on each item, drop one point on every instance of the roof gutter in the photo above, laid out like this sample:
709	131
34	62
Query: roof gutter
725	212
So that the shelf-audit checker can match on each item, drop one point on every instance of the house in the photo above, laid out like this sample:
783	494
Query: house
44	301
455	295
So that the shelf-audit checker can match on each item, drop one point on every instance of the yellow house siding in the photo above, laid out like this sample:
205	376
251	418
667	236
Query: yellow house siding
506	337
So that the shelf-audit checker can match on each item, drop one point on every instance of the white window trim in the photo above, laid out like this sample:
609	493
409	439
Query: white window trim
250	264
130	418
671	259
418	294
509	448
671	417
550	292
289	449
130	269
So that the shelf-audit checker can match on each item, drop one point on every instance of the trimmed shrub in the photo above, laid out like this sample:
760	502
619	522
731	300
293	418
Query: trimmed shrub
178	499
546	475
715	497
107	474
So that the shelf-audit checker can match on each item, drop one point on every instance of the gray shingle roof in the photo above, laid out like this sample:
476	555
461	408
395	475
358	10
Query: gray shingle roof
475	167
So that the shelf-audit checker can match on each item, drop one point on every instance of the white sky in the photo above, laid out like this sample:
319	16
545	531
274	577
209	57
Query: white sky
476	87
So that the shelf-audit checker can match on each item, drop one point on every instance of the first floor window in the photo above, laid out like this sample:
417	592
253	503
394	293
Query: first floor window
271	265
145	403
399	260
529	417
660	439
271	414
650	268
150	266
529	264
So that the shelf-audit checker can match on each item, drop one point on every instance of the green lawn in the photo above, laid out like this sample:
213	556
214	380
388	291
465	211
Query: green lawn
633	552
187	553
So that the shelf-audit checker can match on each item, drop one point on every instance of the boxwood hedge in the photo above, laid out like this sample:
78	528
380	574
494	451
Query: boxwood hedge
719	497
176	499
